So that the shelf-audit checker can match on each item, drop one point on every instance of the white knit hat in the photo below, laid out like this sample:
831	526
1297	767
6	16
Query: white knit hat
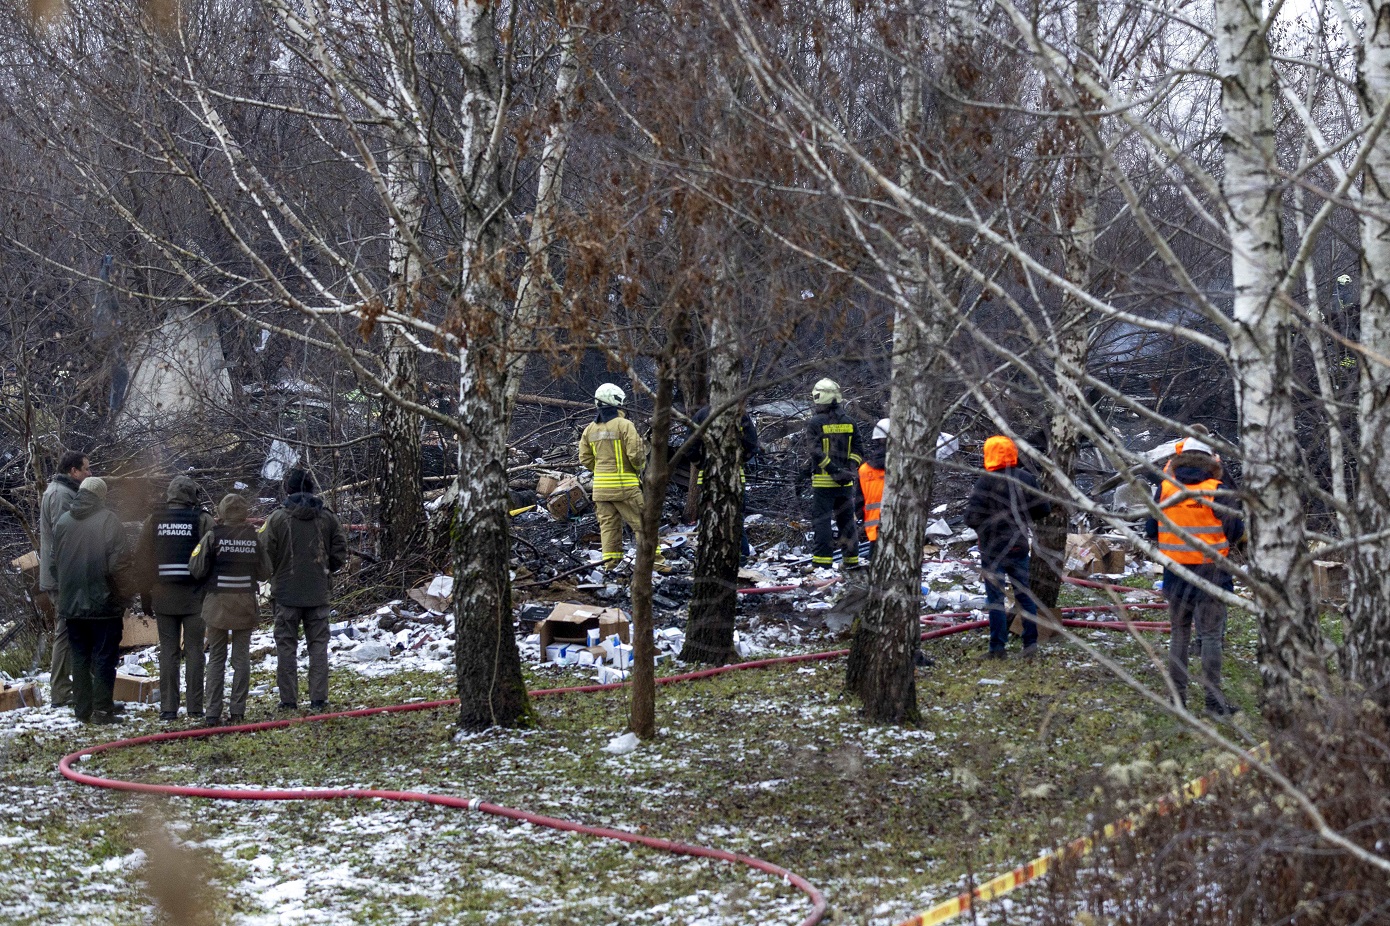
96	485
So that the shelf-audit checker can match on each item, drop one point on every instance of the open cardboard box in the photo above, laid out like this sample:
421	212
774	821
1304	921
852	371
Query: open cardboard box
1090	554
23	694
570	623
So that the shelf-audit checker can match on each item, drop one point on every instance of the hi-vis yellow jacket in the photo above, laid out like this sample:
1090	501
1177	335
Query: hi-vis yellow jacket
615	453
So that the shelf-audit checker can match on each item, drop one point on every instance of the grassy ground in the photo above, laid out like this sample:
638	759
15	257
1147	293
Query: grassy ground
1012	757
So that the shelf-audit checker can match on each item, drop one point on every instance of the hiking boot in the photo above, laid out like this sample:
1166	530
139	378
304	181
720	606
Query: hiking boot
1031	652
167	716
1223	711
997	654
211	722
236	719
318	705
104	717
288	706
921	660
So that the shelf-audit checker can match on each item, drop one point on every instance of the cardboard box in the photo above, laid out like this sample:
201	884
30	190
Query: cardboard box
26	563
547	482
139	630
25	694
1044	633
1329	580
567	500
570	623
1089	554
136	689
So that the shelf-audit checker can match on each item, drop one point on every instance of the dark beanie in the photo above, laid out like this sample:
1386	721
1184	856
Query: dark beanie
299	480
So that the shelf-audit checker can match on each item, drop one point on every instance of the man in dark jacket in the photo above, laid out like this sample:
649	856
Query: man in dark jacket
832	467
57	498
166	543
230	558
94	574
304	544
1199	527
1001	506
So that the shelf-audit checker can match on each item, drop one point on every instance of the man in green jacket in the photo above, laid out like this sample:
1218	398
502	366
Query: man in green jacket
57	498
95	572
304	544
166	543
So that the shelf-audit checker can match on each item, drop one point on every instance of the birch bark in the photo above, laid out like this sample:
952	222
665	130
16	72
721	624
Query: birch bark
1366	654
488	665
1292	666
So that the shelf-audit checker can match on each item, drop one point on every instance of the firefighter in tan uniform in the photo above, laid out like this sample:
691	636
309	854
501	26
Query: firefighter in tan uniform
614	452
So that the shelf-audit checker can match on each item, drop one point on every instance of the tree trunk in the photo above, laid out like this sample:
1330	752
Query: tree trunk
402	510
536	280
1366	655
490	687
654	482
1292	666
709	636
1077	223
886	636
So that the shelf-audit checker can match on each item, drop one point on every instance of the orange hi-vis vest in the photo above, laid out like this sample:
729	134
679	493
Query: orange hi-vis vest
1194	515
871	485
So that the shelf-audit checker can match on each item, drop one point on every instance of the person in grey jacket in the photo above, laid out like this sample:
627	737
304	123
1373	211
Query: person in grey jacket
94	578
166	542
304	545
230	559
57	498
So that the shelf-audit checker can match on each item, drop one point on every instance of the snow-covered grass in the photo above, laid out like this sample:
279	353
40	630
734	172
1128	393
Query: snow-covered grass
776	763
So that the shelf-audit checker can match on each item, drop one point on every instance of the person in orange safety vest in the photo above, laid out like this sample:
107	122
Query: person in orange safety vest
871	483
1199	526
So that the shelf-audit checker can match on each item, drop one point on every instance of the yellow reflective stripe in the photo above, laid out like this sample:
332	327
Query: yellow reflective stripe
834	429
825	481
616	480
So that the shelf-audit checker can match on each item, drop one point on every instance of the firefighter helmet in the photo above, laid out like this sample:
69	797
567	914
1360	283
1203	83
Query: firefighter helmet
825	392
609	394
881	429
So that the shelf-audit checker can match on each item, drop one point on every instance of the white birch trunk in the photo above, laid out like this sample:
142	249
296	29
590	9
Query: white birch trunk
488	666
1366	654
534	284
1291	646
1078	214
402	510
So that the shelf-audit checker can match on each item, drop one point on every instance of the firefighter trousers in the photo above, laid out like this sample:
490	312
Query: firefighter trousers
834	506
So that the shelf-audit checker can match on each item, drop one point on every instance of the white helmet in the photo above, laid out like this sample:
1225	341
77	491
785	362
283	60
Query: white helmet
609	394
881	429
825	392
1193	445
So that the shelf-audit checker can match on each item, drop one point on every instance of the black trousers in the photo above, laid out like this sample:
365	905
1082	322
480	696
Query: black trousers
94	644
837	506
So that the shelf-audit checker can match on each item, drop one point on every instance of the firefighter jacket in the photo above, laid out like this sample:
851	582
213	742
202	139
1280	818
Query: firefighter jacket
747	439
230	557
834	452
304	545
167	539
613	451
92	556
1186	498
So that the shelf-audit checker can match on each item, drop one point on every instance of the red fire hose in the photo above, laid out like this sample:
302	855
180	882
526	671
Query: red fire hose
817	899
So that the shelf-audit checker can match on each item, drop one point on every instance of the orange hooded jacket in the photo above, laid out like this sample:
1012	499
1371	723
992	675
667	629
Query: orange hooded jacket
1000	452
